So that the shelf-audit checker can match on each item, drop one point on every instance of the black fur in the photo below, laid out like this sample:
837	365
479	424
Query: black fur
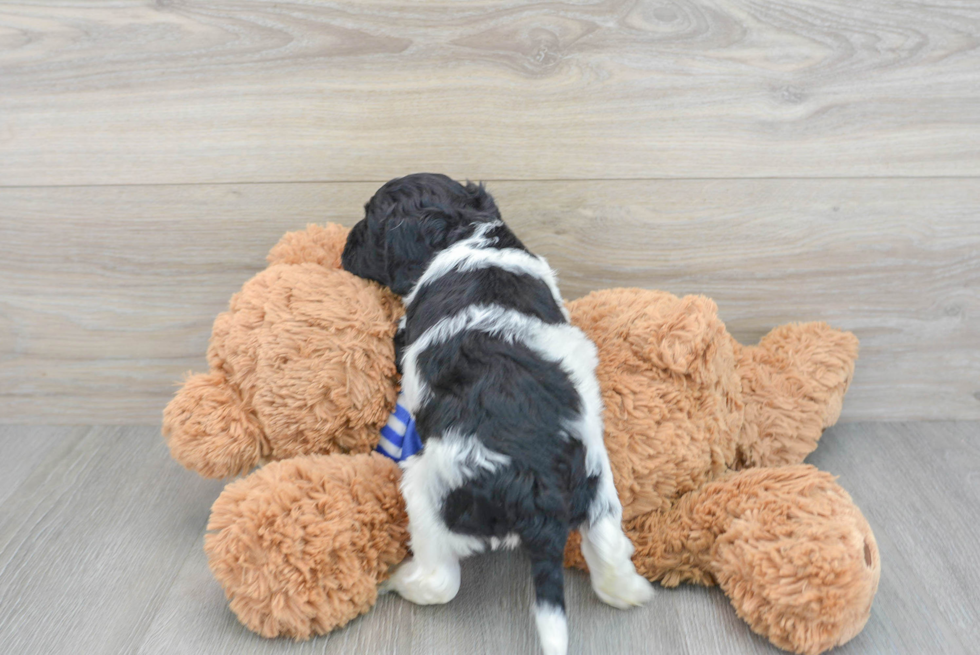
409	220
451	293
503	393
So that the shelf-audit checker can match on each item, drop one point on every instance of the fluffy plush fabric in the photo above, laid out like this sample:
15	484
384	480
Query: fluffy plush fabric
302	362
793	385
706	439
690	414
304	542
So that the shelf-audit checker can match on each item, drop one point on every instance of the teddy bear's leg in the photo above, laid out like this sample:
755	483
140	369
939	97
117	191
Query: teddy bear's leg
793	386
300	545
787	545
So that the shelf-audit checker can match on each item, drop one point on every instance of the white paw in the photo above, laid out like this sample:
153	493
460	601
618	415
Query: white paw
623	591
424	586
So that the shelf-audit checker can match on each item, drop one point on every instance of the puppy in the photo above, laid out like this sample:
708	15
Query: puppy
505	399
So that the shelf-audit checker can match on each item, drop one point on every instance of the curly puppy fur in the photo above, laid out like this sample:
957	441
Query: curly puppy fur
505	399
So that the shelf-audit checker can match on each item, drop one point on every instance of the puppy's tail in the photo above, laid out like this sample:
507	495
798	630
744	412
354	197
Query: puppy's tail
547	567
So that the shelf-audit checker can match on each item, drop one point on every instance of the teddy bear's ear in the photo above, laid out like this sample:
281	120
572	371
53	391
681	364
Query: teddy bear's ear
316	244
684	333
209	430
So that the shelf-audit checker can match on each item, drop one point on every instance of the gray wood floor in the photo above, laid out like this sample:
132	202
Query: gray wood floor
101	534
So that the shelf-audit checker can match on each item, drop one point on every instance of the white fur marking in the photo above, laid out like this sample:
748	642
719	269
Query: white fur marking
552	628
510	541
471	254
443	465
607	551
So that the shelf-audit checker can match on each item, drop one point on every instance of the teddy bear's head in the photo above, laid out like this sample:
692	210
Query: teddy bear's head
671	392
302	362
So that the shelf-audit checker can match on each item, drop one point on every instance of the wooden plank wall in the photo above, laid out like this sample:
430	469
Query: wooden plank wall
794	160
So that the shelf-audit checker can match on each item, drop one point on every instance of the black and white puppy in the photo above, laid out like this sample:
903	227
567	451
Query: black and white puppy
505	399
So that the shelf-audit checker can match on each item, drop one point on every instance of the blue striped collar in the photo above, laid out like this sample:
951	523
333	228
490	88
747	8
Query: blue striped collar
399	438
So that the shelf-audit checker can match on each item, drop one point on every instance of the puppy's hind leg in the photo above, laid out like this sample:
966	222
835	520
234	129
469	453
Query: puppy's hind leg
424	581
607	551
431	576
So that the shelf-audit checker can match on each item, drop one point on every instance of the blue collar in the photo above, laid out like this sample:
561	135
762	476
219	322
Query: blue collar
399	438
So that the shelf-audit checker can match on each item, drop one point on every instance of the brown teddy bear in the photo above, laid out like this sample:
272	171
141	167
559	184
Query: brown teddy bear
706	439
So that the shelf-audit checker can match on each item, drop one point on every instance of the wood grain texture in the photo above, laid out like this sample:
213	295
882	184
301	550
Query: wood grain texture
91	540
110	291
251	91
24	448
491	615
100	552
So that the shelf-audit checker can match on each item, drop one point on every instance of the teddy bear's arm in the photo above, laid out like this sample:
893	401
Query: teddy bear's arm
793	386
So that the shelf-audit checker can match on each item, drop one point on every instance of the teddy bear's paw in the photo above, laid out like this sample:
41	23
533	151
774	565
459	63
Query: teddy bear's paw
300	545
210	430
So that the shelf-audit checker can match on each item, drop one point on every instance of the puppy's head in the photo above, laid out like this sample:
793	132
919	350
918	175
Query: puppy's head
408	221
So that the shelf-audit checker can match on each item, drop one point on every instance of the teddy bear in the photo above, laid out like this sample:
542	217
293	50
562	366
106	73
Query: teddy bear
706	439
